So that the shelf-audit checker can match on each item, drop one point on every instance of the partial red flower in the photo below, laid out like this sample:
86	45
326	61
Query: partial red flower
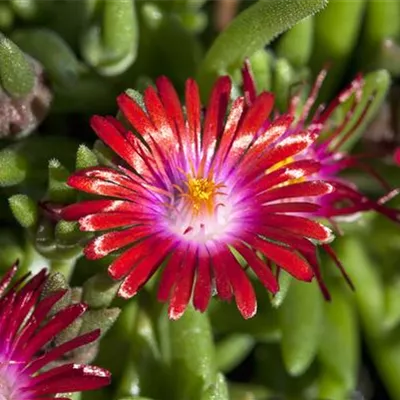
197	196
346	201
25	334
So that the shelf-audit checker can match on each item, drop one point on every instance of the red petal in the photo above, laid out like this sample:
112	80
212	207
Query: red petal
216	111
274	131
222	282
105	244
127	261
100	187
136	116
146	267
250	126
288	259
78	210
193	113
298	225
56	353
241	286
164	136
202	288
113	137
101	222
172	107
302	189
249	87
289	173
286	148
7	278
292	207
231	126
170	274
68	378
56	324
259	267
184	285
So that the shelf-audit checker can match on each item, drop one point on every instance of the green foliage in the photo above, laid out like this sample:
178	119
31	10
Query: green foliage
16	71
24	210
13	168
253	29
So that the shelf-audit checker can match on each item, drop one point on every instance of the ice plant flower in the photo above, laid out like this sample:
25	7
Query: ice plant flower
26	350
199	196
346	201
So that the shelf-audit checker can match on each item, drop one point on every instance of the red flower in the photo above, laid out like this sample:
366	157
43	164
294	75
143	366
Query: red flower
25	332
346	201
194	193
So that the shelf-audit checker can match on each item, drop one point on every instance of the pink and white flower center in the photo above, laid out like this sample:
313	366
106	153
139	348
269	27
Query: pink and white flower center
201	210
10	381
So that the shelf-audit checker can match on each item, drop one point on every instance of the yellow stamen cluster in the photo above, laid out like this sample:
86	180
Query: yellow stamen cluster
201	192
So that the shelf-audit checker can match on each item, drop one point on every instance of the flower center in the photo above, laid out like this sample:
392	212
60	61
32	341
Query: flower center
10	381
202	209
201	194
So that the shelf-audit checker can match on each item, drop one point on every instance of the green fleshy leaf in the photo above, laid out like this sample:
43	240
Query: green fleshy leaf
152	15
103	153
218	390
385	352
284	284
193	354
194	22
25	9
68	233
55	282
24	210
365	277
330	387
264	326
11	250
381	22
112	48
296	44
146	359
102	319
99	291
85	158
6	17
16	72
336	32
390	56
58	190
52	51
301	322
242	391
250	31
136	398
392	301
232	350
283	78
339	348
119	341
137	96
261	65
13	168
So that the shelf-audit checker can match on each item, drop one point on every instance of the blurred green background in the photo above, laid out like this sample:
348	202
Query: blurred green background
64	60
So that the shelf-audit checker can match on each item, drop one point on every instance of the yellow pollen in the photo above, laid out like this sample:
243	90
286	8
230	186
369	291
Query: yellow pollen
201	193
281	164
